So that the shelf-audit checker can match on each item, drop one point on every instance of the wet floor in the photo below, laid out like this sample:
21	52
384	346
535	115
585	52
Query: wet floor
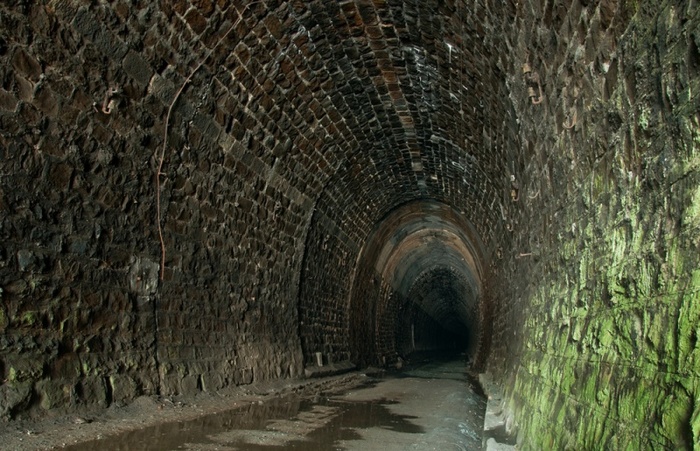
430	407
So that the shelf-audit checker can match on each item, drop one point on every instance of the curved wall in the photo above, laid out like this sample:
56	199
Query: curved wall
196	194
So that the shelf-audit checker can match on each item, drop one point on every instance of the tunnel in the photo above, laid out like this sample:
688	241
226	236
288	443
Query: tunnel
202	194
419	275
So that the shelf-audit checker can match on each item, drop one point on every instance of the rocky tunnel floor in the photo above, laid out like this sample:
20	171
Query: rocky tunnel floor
429	406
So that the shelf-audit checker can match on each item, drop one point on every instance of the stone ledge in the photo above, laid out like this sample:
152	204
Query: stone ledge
499	432
493	445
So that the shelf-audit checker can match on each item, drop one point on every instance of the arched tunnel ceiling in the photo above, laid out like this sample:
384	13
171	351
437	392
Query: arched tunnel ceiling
413	109
432	259
200	180
424	258
424	108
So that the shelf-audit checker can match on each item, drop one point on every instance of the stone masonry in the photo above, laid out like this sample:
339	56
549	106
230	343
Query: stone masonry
197	194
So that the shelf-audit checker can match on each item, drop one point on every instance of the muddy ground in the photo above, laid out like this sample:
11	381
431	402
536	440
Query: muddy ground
65	430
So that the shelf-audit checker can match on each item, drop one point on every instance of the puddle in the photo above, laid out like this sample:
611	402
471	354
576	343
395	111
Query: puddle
283	424
449	404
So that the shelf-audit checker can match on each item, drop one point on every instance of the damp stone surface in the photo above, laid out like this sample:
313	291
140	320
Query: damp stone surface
199	195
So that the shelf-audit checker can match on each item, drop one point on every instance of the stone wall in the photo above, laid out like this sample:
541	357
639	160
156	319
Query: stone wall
597	342
95	308
323	306
186	186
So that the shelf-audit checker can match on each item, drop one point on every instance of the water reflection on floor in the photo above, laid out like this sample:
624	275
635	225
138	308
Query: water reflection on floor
447	418
285	423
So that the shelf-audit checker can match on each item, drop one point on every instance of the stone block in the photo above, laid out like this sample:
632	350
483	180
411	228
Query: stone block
213	381
55	393
25	259
189	385
67	367
45	100
86	23
8	101
143	276
137	68
24	368
60	176
243	376
196	21
170	385
93	390
123	388
26	65
15	397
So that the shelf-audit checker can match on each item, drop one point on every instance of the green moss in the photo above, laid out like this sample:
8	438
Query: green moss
631	6
695	424
583	271
3	316
689	324
691	216
577	330
603	396
632	405
621	310
29	318
589	387
568	379
644	280
675	420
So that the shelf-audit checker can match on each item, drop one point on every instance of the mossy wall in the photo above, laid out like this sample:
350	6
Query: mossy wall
601	346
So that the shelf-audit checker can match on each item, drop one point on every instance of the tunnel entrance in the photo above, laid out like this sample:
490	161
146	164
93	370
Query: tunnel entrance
418	287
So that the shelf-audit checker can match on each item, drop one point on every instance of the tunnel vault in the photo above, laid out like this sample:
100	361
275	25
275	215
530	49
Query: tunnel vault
200	194
423	264
406	251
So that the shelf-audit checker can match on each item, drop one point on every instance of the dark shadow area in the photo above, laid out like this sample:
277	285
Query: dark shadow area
439	313
419	333
435	357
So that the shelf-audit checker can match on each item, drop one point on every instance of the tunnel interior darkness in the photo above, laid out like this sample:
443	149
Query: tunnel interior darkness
439	313
430	262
